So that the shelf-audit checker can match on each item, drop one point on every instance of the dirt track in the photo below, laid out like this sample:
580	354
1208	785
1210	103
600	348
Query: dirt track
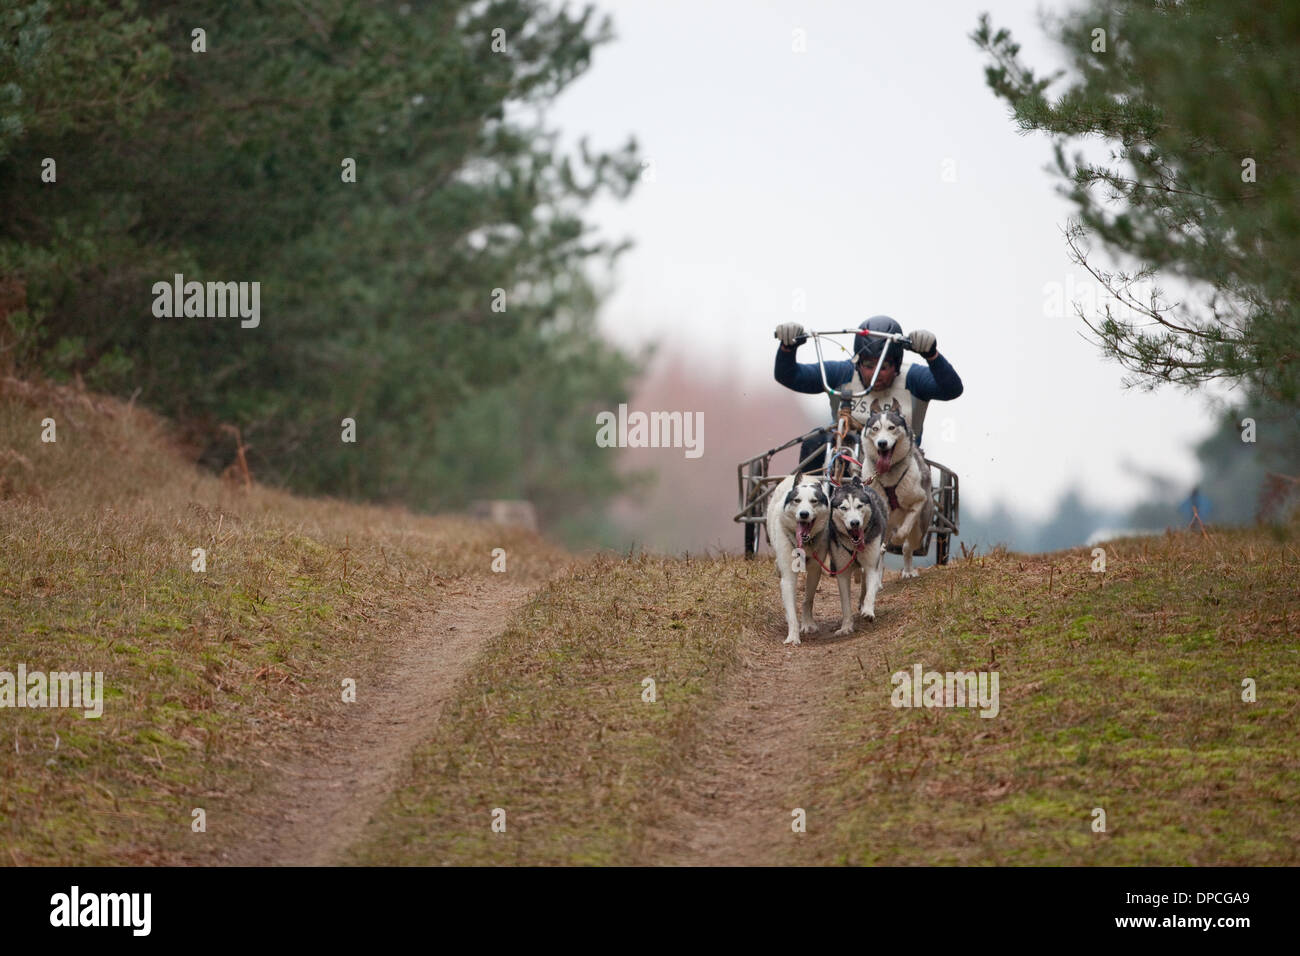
736	801
319	803
732	805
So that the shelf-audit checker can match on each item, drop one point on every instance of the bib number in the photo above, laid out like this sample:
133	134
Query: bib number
861	409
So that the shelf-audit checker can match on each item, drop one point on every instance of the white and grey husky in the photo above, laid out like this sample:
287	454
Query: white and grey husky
858	521
798	518
902	476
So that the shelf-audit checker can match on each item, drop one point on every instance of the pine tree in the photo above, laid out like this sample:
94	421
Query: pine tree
1198	103
441	297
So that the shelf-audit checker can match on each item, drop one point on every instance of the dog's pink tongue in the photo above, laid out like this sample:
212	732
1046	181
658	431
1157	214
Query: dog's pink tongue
885	461
800	529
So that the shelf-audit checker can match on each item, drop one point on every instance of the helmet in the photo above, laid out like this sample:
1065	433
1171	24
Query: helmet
869	347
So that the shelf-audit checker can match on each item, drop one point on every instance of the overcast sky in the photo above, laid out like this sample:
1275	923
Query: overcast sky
823	171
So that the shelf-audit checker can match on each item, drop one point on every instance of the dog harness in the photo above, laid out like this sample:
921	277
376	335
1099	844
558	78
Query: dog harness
891	492
799	544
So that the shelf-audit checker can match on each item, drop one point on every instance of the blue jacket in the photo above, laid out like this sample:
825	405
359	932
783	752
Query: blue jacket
925	383
938	382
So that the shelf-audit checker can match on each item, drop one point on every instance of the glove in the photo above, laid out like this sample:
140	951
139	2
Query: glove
924	343
791	334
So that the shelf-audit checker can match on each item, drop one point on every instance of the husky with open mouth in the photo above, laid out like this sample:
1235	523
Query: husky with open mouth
902	476
858	521
798	518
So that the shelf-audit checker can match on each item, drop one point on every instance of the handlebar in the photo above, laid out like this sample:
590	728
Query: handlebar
821	363
893	336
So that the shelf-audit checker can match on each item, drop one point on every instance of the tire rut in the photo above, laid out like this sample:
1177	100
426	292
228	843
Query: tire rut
734	802
319	803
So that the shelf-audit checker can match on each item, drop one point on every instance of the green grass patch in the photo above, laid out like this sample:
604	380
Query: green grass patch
1120	691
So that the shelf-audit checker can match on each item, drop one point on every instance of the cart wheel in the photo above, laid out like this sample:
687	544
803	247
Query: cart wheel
755	475
941	548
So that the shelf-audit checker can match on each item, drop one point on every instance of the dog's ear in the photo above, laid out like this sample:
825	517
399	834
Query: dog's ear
875	406
857	480
798	477
895	406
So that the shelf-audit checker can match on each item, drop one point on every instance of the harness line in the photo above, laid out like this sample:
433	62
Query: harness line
830	553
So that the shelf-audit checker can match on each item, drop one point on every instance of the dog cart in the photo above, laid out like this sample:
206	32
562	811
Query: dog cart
841	457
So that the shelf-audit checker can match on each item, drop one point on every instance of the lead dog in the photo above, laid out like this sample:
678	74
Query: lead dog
858	521
902	476
798	516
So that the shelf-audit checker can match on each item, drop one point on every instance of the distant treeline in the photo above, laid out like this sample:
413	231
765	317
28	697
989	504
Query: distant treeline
1242	480
382	172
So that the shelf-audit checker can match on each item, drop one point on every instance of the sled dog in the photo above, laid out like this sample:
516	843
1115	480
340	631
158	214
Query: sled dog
798	518
902	476
857	532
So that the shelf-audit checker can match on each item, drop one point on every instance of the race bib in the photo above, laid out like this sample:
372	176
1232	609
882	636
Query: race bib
897	392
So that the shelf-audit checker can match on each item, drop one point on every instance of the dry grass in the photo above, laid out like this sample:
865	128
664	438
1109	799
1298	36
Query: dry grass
1120	691
551	726
208	676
